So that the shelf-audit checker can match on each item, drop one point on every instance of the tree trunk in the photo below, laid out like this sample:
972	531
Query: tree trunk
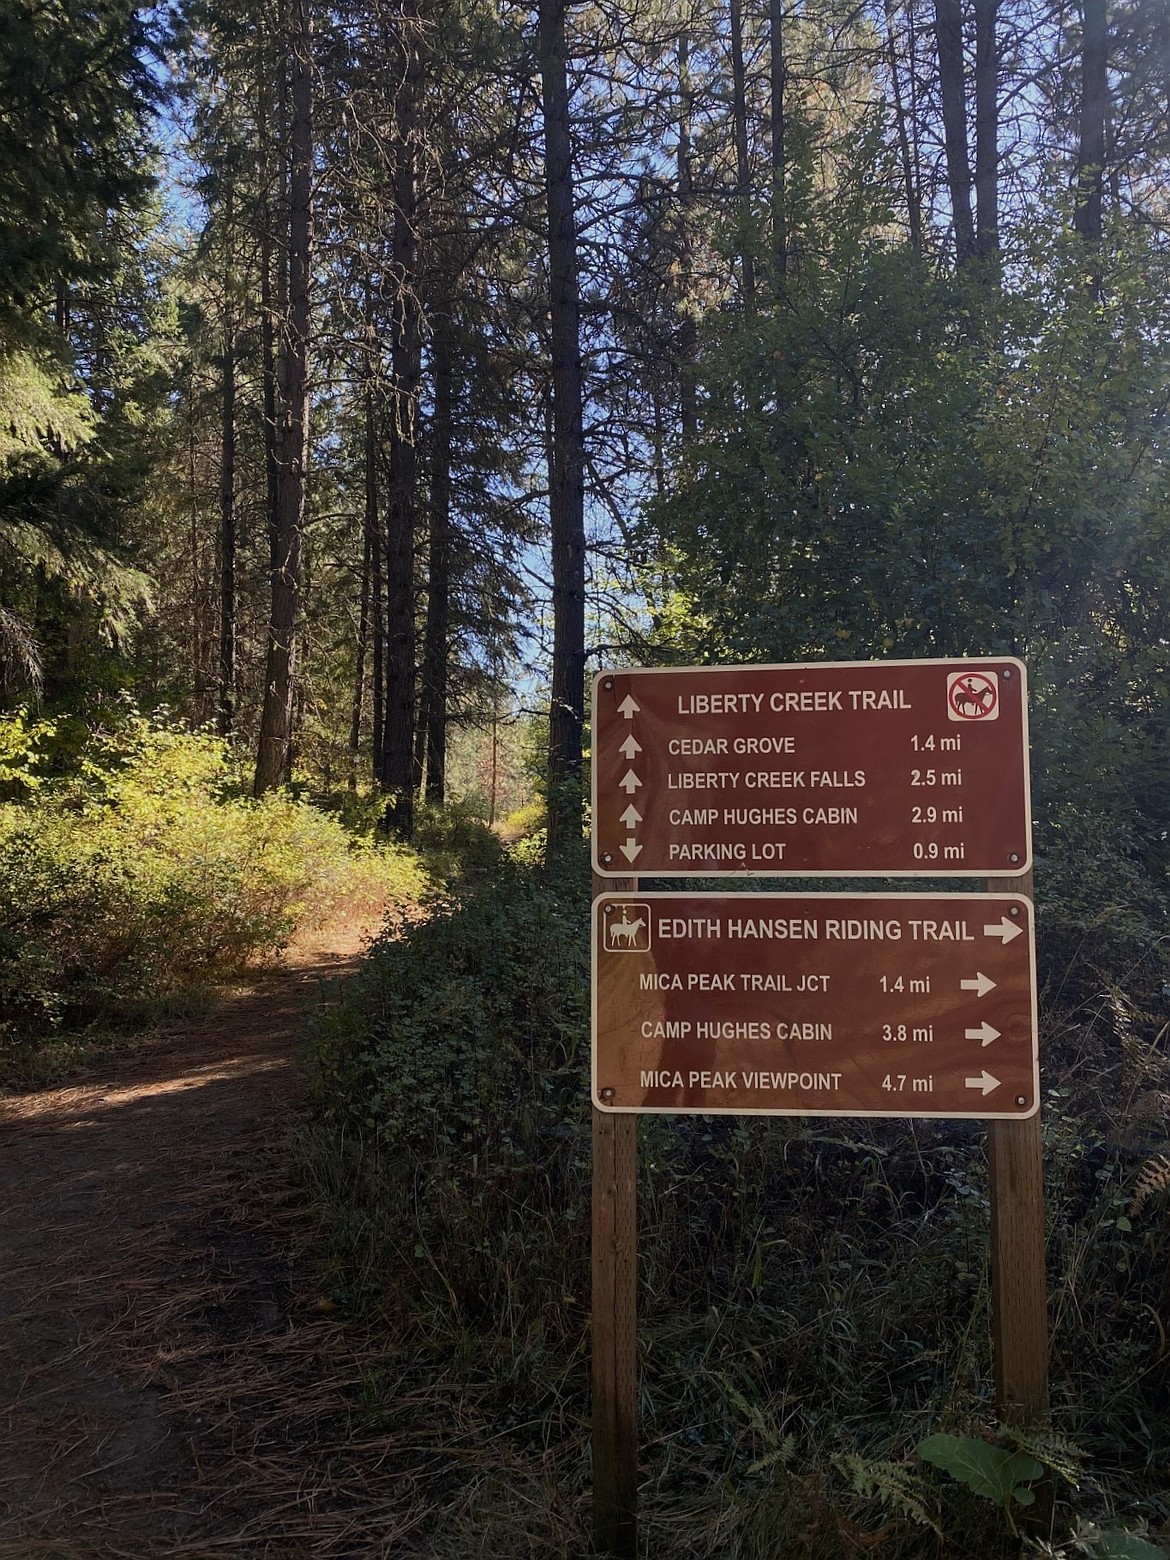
435	643
227	530
906	157
567	445
397	769
276	713
948	27
688	334
743	170
777	80
269	387
378	653
360	652
986	131
1087	217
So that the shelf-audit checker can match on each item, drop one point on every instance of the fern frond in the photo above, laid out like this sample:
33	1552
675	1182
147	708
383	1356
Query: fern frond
1153	1179
1057	1455
898	1489
781	1456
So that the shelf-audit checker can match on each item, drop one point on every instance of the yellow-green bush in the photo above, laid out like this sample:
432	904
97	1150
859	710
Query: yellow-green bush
145	872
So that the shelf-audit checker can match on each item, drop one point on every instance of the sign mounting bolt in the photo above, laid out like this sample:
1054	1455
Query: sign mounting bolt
1015	856
1021	1099
607	1094
608	685
607	858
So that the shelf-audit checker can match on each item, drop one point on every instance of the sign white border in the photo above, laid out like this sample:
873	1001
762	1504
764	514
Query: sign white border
955	663
983	900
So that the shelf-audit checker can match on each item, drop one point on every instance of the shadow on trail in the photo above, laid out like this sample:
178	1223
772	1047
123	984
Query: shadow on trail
170	1382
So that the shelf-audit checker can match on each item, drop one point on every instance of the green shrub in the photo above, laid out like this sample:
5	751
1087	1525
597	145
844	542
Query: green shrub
524	822
455	842
144	873
812	1295
453	1082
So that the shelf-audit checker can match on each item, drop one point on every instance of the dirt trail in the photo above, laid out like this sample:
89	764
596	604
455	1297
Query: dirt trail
171	1381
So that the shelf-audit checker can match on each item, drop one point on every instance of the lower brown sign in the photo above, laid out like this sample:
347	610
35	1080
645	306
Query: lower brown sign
815	1004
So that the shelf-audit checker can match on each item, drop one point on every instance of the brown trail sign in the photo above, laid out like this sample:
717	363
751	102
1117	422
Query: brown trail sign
815	1005
857	768
827	1004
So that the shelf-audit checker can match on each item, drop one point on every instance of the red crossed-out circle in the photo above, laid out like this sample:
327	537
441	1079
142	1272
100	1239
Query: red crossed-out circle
974	696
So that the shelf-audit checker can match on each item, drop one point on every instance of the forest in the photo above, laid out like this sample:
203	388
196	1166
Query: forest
370	377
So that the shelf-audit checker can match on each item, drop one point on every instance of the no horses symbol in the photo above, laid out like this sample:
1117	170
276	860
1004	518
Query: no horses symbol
972	696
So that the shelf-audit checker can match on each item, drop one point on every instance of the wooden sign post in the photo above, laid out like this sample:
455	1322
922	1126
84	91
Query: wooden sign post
615	1326
1019	1286
859	769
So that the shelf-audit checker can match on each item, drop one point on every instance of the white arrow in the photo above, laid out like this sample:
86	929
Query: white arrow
629	782
631	817
1005	930
628	708
630	851
985	1033
981	984
985	1082
629	747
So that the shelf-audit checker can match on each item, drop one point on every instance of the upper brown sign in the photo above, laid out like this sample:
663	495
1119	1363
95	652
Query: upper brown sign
854	768
815	1004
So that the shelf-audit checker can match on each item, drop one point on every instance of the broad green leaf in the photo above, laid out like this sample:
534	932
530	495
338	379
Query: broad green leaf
990	1471
1120	1545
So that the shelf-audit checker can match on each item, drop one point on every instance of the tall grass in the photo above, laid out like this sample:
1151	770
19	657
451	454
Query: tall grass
813	1296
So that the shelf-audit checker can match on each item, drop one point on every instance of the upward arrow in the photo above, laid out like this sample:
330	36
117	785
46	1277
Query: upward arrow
629	782
629	747
631	817
628	708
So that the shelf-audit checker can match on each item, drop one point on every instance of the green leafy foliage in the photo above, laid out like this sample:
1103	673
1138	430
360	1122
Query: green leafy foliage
899	462
993	1472
811	1299
141	872
463	1039
77	87
1117	1544
896	1487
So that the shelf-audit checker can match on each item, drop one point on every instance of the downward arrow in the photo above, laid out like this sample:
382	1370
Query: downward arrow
1005	930
629	782
629	747
984	1083
628	708
631	817
981	984
630	851
985	1033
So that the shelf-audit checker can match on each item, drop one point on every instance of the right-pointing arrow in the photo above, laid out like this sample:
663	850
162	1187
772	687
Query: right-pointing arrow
629	782
1005	930
984	1083
984	1033
981	984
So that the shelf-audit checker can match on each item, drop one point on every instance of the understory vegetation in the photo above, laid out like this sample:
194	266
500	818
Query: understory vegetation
135	874
813	1295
